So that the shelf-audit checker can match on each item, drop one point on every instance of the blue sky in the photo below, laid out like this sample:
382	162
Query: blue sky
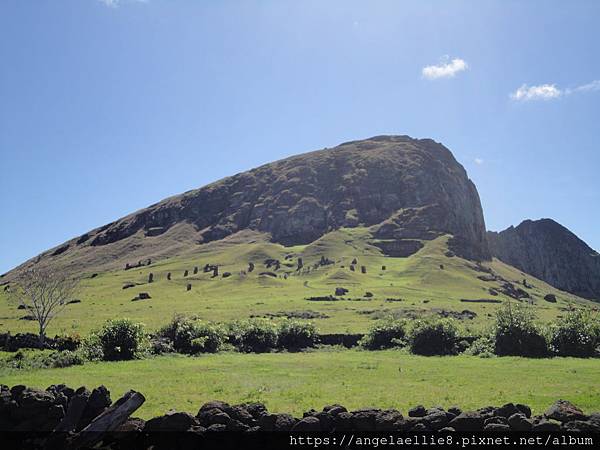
109	106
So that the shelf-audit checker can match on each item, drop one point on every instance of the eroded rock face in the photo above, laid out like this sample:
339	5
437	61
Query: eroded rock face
550	252
404	188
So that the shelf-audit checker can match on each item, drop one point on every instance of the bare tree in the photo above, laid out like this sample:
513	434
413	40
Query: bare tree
44	292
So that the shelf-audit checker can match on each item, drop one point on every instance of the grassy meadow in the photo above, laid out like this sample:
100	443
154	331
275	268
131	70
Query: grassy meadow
424	282
296	382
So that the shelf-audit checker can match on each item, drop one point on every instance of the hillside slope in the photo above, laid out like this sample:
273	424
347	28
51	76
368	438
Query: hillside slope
551	252
301	281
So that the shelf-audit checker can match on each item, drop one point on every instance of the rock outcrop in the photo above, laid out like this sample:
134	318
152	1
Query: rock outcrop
550	252
402	187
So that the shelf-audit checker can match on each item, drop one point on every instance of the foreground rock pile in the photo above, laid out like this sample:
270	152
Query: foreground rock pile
219	416
65	409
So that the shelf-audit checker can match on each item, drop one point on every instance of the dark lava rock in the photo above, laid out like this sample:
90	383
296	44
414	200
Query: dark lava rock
496	427
519	422
455	410
436	420
276	422
506	410
564	411
364	419
524	409
308	424
172	421
546	426
417	411
550	298
581	426
389	420
467	421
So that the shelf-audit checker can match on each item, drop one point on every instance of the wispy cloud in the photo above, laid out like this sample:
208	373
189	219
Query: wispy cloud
446	69
478	161
593	86
550	91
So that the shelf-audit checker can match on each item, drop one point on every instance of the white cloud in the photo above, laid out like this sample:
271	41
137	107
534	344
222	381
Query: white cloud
550	91
445	69
540	92
478	161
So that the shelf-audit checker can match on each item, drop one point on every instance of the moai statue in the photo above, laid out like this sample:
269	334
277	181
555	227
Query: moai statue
215	271
185	274
442	266
277	265
189	287
354	261
127	266
300	264
352	268
195	270
150	277
169	276
149	262
207	268
363	269
383	267
250	267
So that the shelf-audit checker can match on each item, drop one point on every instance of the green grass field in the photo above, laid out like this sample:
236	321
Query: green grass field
418	280
288	382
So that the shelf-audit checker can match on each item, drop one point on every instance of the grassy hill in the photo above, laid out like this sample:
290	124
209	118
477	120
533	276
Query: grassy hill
431	281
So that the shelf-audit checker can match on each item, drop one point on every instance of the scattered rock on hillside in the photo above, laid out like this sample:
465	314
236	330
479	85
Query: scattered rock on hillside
141	296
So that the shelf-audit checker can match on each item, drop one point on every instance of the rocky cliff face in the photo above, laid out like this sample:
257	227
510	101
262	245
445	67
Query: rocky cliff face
403	187
549	251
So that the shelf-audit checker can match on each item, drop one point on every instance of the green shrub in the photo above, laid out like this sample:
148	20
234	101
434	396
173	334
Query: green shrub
575	335
483	346
433	337
160	345
253	335
91	348
295	335
208	338
65	358
191	336
121	339
385	333
516	333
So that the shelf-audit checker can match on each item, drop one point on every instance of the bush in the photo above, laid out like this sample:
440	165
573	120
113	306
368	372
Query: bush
69	342
254	335
295	335
208	338
483	346
65	358
190	336
161	345
517	334
433	337
385	334
91	348
575	335
121	339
